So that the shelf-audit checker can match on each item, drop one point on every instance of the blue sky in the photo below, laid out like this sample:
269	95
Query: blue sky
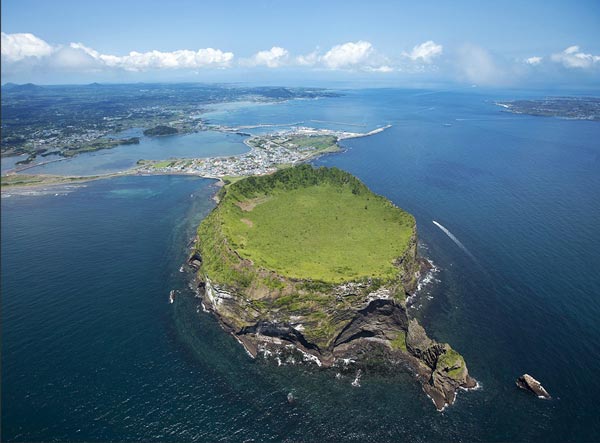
416	43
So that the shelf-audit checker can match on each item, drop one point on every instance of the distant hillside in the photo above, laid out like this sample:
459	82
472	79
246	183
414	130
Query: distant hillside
27	87
160	130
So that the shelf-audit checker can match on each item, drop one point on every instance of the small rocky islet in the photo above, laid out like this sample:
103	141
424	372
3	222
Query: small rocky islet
308	265
530	384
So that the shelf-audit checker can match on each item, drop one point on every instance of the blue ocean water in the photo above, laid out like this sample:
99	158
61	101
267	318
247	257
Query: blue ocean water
93	351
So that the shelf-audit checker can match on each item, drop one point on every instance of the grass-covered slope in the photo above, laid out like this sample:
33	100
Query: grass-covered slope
318	224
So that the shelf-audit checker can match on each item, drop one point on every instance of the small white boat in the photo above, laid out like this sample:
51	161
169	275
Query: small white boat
172	296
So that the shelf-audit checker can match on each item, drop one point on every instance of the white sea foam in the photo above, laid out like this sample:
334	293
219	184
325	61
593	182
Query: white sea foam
429	277
454	239
477	387
433	401
423	282
246	349
309	357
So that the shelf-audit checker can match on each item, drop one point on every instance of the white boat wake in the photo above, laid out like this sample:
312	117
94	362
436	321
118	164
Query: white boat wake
455	240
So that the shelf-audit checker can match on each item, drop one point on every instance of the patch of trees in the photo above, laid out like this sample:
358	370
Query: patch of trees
297	177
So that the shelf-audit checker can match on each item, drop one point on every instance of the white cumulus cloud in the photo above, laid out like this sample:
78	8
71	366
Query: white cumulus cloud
425	52
20	48
16	47
534	60
382	68
271	58
351	56
572	57
143	61
310	59
348	55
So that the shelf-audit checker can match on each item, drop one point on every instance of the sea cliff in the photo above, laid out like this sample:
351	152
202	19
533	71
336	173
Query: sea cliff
308	265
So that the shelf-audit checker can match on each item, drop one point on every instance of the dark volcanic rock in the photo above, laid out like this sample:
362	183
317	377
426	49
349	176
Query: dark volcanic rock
443	370
195	260
381	319
529	383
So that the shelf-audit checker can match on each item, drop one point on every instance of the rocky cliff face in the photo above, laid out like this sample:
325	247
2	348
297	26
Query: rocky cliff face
357	325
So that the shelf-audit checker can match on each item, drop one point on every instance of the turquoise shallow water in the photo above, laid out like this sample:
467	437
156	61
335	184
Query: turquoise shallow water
92	350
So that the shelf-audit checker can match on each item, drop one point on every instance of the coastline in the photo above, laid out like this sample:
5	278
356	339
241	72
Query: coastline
68	180
189	124
56	180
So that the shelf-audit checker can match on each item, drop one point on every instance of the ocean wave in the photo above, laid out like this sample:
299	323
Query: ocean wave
422	284
478	387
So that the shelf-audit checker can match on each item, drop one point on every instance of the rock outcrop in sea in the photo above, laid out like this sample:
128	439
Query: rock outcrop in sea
528	383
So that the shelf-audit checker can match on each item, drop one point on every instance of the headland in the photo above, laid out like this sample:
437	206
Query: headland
308	265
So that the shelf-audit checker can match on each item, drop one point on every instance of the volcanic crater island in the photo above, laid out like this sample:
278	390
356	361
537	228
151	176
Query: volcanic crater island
307	265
